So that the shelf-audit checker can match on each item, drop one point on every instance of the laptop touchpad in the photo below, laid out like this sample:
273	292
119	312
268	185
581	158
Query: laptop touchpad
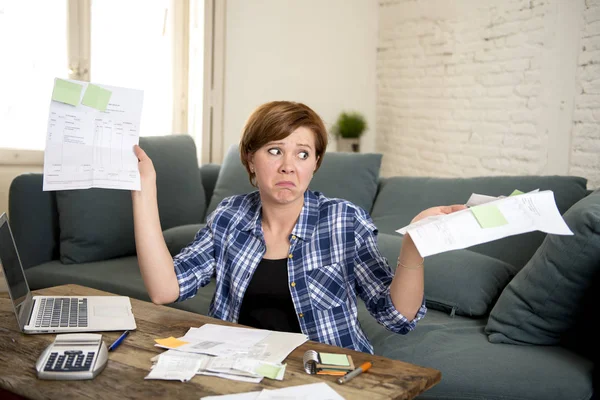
111	311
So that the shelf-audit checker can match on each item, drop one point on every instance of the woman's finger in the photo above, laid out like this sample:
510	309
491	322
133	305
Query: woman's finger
139	153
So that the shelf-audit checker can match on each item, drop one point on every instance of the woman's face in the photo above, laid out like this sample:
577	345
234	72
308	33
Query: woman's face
284	168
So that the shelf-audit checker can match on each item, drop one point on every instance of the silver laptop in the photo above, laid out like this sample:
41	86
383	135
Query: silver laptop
52	314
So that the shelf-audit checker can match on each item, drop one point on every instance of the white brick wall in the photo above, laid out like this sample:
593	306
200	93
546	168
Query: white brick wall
585	150
489	87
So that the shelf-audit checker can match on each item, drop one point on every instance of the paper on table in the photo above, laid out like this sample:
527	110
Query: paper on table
205	362
263	345
181	367
245	366
86	147
242	337
237	396
313	391
524	213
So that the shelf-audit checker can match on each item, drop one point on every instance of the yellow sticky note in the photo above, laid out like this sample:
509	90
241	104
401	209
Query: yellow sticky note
489	216
170	342
96	97
515	193
66	92
334	359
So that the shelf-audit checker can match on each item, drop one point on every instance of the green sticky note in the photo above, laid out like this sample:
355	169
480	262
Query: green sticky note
268	371
515	193
489	216
334	359
66	92
96	97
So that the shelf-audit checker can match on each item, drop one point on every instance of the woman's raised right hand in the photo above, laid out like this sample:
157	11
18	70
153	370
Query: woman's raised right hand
145	166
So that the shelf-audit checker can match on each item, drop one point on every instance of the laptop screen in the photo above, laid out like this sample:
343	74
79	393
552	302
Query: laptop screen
13	271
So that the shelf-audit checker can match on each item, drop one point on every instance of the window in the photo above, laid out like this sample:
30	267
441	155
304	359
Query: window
33	42
132	46
155	46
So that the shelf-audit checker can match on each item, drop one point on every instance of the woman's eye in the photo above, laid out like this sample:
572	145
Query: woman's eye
303	155
274	151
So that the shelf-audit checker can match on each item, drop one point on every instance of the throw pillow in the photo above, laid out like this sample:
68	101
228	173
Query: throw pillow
458	282
539	305
349	176
463	282
97	224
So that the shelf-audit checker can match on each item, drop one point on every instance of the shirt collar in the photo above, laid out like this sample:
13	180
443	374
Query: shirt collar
307	221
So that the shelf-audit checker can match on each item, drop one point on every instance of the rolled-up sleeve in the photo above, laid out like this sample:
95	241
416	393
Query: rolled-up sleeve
195	264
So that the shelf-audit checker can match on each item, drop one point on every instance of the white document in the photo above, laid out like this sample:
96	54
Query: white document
246	367
228	341
313	391
524	213
241	378
241	337
86	147
176	366
478	199
237	396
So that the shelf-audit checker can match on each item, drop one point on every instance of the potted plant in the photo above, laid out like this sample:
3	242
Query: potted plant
348	129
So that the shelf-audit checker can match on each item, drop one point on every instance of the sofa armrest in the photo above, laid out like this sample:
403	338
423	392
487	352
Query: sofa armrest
33	220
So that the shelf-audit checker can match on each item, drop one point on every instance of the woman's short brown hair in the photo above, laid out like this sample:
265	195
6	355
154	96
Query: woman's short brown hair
277	120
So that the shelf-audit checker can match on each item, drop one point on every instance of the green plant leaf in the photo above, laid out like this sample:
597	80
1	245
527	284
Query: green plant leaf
350	125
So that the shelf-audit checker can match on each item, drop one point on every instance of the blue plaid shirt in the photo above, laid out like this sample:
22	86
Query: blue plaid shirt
333	257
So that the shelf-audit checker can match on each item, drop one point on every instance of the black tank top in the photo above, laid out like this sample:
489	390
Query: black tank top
268	303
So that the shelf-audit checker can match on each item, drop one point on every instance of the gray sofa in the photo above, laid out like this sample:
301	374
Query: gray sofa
506	320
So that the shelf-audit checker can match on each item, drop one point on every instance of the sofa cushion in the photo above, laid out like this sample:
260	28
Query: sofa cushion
401	198
541	302
461	281
473	368
350	176
179	237
464	282
97	224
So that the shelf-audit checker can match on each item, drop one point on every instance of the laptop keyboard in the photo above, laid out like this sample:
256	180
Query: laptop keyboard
62	312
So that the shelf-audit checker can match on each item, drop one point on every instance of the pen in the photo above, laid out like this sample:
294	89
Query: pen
117	342
363	368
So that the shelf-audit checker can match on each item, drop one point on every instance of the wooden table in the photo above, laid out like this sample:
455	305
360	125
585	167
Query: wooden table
124	374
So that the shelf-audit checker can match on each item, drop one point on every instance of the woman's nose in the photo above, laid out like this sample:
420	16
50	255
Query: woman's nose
287	164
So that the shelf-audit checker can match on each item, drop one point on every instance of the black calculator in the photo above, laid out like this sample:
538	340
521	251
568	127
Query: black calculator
73	356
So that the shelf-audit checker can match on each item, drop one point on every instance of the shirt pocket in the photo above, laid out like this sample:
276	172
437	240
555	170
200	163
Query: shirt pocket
327	286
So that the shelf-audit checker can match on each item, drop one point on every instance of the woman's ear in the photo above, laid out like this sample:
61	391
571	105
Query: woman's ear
251	162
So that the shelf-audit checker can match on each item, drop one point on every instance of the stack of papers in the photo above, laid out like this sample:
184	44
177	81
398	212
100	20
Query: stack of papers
242	354
313	391
488	218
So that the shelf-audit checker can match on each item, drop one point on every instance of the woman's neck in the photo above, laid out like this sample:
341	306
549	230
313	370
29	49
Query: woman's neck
280	219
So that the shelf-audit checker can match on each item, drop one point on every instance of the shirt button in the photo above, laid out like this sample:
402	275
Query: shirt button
293	284
291	256
301	315
294	237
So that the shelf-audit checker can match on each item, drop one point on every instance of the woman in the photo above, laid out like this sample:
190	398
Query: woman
285	258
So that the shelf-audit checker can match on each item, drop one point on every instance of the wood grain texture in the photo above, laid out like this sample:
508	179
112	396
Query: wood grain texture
123	377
